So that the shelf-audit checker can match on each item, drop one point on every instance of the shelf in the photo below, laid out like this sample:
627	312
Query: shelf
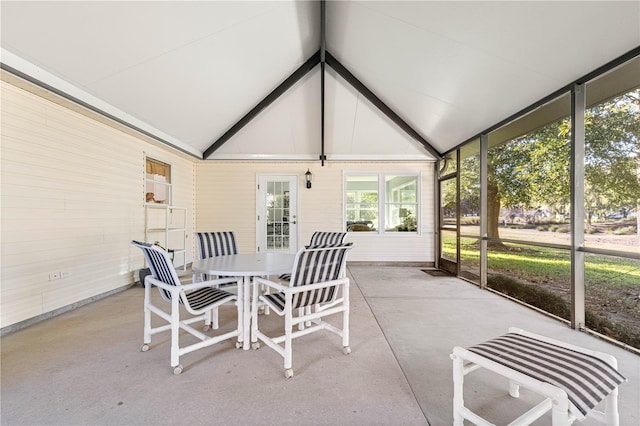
171	222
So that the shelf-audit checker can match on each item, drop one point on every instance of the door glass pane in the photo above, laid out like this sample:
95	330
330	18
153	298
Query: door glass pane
448	203
277	209
448	247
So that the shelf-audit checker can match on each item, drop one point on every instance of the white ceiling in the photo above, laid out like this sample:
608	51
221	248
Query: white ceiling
186	72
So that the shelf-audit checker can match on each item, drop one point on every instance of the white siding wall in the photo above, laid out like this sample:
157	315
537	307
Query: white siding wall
72	200
226	196
72	193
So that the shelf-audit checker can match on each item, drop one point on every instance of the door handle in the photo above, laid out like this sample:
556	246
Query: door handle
294	222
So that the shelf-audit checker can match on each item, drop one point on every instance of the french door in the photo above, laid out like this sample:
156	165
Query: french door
277	213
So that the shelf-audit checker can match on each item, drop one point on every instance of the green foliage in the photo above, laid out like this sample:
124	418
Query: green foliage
533	170
554	304
625	230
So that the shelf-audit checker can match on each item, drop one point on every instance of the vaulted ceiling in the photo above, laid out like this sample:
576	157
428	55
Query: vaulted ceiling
239	79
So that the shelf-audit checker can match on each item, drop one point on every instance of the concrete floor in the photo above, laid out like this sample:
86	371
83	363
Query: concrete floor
84	367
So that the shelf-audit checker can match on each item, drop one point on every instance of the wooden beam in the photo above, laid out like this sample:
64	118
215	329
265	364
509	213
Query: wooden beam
360	87
268	100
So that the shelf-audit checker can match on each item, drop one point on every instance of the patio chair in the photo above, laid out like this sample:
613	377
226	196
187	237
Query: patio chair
320	238
210	244
573	380
318	275
198	299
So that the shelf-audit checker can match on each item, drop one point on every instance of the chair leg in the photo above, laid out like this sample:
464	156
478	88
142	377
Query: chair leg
288	329
458	386
345	319
301	324
560	412
175	331
147	314
214	319
611	408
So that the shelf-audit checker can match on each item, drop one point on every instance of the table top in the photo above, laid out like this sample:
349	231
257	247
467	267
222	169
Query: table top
246	264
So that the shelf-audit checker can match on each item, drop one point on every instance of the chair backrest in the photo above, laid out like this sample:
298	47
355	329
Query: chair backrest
316	265
160	265
320	238
211	244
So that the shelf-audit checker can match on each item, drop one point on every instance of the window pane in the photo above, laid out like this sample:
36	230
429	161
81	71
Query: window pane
470	259
448	245
612	173
611	299
401	207
448	164
157	182
528	186
537	276
470	189
448	203
362	203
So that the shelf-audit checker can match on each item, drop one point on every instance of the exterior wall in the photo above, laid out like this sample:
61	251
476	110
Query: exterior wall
226	197
72	200
72	191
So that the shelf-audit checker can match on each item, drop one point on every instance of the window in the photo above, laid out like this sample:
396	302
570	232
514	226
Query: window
382	203
157	182
362	203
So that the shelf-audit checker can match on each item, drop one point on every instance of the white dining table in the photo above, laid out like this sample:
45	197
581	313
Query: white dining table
245	266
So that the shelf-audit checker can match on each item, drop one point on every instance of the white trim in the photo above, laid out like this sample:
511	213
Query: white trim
330	157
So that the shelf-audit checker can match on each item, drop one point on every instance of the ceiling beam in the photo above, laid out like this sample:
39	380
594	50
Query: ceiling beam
322	62
268	100
360	87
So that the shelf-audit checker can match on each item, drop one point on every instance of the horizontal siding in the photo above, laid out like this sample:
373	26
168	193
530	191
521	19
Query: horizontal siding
72	200
72	191
226	197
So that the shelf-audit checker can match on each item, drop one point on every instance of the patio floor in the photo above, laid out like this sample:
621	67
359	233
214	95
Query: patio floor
85	366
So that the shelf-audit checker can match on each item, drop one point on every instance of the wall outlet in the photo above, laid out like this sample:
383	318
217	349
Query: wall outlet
54	276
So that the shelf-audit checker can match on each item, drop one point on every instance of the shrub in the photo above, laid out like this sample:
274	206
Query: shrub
533	295
563	230
553	228
554	304
542	228
625	230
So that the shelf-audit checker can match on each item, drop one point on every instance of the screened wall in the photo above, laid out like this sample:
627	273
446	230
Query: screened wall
544	207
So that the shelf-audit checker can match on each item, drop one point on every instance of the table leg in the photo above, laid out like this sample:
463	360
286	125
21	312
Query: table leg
246	298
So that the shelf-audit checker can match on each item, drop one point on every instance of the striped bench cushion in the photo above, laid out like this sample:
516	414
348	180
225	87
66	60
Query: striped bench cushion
587	380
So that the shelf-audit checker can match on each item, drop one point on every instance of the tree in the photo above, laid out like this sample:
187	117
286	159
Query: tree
534	169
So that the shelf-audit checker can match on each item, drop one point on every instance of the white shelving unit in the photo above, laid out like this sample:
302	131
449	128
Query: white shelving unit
168	226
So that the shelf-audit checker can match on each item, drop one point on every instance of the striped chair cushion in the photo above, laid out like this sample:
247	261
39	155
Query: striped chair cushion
586	380
314	265
212	244
160	265
163	270
201	298
321	239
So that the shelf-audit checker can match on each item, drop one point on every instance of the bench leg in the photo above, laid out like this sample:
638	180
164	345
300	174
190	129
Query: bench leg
458	393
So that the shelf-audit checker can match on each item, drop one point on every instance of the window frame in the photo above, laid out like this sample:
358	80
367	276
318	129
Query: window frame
384	202
168	185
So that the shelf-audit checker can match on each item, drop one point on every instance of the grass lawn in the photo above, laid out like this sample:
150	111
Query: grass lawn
612	284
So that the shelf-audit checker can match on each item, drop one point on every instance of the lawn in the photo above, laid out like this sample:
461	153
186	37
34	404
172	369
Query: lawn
612	283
